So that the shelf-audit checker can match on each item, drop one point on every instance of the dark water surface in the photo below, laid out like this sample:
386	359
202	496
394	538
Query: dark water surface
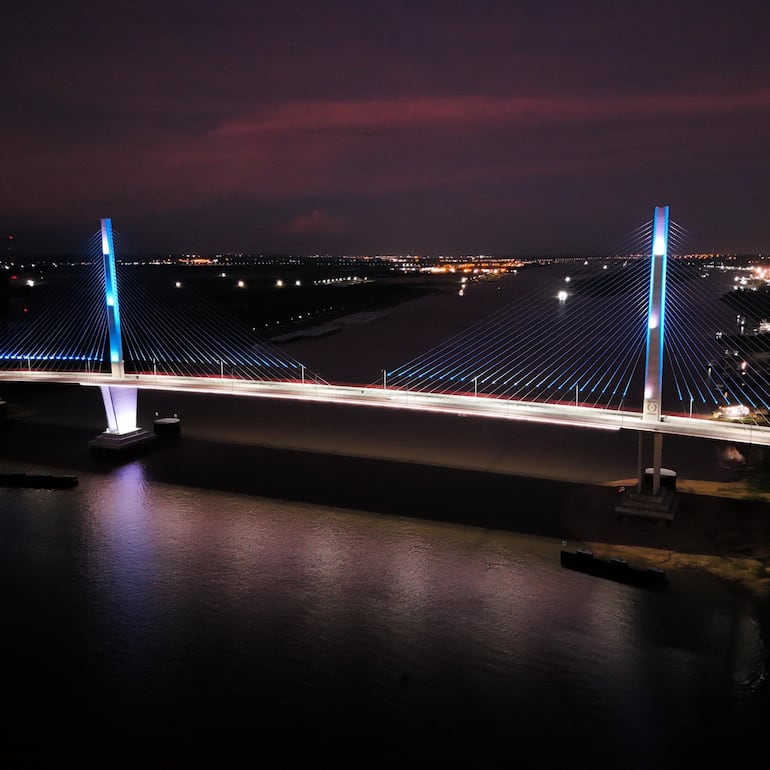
163	611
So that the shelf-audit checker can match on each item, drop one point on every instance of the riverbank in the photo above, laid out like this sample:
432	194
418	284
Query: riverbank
722	529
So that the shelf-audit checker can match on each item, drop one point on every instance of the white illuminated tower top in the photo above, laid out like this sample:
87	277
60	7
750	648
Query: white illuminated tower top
653	370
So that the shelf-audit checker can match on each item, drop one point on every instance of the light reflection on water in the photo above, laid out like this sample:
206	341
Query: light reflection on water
189	613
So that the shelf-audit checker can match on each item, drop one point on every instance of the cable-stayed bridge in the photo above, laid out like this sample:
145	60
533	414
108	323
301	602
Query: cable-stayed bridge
648	342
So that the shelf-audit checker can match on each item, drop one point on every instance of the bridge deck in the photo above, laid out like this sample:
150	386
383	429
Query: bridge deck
496	408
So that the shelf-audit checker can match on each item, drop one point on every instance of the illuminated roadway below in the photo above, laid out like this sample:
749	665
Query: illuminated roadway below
479	406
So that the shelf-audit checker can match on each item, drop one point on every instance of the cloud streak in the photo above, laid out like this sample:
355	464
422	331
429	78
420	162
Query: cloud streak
428	122
315	223
479	111
302	148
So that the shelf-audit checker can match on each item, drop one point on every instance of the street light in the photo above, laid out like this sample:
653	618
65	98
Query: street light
691	407
302	366
476	385
384	379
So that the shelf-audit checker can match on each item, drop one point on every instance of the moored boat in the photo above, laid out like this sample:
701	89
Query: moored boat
38	480
613	568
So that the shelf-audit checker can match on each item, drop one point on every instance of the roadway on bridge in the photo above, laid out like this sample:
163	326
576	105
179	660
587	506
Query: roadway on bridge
497	408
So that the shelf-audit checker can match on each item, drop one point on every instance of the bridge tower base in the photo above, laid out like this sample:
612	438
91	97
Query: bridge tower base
122	432
655	495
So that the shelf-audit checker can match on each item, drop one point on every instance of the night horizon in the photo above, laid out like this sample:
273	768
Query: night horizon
361	129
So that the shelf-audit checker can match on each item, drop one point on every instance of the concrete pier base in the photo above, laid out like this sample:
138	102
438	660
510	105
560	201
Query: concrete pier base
659	505
121	442
655	495
122	433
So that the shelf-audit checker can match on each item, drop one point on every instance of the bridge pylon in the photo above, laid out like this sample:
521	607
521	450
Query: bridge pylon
120	400
657	501
656	314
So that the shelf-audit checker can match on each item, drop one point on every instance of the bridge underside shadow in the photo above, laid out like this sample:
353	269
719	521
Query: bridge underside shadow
513	502
440	494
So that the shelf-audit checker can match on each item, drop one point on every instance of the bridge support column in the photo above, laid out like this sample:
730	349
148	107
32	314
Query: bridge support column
657	456
657	461
122	432
119	400
120	408
658	502
654	496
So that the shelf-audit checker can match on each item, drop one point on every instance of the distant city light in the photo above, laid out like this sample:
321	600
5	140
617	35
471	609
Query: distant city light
562	295
279	283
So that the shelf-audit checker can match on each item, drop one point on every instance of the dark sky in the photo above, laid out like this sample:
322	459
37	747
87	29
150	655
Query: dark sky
401	126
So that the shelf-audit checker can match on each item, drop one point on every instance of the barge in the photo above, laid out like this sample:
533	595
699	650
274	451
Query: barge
37	481
613	568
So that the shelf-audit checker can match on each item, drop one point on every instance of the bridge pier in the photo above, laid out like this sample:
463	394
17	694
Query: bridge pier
122	431
652	478
658	501
119	400
652	497
657	458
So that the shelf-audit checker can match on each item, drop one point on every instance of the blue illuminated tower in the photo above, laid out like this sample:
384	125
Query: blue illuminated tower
653	370
120	399
111	296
